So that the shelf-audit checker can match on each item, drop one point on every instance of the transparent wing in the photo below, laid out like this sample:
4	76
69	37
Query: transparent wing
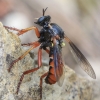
58	65
84	64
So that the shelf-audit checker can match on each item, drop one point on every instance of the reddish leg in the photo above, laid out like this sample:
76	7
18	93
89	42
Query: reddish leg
39	63
12	28
39	57
35	44
22	76
41	83
20	32
32	70
28	29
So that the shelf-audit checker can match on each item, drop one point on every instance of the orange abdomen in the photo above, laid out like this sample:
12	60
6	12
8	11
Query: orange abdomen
51	79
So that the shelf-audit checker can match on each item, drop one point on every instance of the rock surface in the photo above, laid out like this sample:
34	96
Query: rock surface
73	88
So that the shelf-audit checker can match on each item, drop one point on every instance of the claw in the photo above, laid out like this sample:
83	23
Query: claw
8	69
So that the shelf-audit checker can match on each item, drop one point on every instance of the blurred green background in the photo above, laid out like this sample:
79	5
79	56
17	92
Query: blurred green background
80	20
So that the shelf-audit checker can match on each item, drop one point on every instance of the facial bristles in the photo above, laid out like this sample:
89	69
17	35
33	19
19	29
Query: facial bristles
37	18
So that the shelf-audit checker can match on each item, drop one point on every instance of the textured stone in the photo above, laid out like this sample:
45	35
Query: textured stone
73	88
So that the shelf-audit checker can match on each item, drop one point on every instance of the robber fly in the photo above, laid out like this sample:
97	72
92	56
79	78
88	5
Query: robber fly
51	35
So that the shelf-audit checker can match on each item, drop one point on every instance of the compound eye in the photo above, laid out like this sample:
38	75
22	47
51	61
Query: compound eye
41	19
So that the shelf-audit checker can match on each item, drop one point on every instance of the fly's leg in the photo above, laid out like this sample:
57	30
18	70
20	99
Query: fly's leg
20	32
35	44
22	76
44	75
32	70
27	44
28	29
39	57
12	28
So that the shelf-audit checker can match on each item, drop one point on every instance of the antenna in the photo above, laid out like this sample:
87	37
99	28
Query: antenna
44	11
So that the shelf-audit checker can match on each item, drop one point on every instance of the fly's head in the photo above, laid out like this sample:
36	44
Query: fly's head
44	20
